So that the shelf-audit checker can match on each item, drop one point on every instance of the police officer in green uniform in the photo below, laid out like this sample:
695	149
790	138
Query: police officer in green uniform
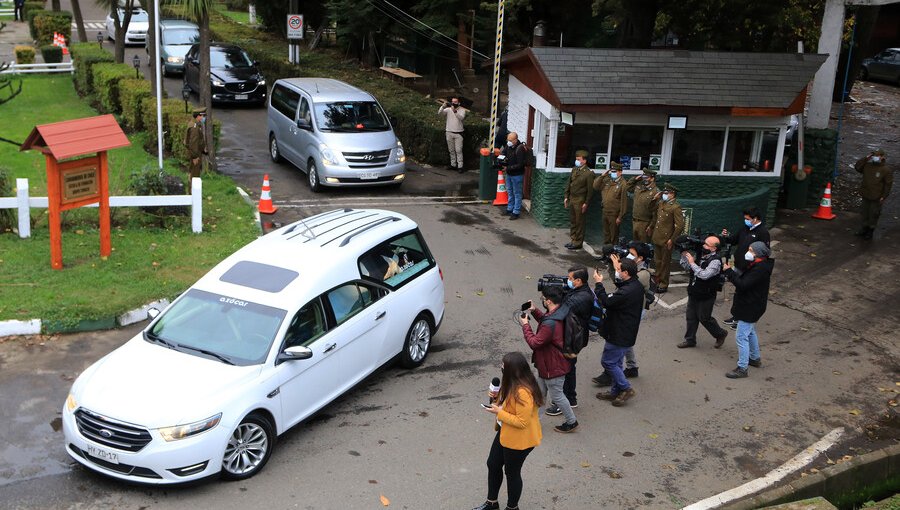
645	197
666	225
578	195
877	180
614	197
196	144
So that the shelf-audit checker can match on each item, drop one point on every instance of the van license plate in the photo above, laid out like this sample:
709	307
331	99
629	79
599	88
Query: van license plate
368	175
101	454
239	97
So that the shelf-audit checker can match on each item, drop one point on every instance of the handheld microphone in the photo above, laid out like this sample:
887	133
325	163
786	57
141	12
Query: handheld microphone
493	388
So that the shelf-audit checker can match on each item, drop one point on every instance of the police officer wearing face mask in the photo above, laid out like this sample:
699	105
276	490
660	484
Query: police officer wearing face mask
578	195
613	194
196	144
645	197
666	225
877	180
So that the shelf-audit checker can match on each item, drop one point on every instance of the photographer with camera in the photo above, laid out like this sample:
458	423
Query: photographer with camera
623	318
752	231
512	160
547	344
454	130
666	225
703	286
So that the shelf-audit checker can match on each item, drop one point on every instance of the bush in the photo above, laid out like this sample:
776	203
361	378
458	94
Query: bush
237	5
32	6
52	54
24	55
46	23
7	218
84	56
132	93
150	181
105	78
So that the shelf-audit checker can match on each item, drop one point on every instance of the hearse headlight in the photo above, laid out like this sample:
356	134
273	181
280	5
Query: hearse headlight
191	429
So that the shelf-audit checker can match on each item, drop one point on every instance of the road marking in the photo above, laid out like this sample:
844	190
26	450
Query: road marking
772	477
91	25
674	305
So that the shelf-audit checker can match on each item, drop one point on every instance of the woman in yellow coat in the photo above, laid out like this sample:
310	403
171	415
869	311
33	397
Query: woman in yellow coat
518	430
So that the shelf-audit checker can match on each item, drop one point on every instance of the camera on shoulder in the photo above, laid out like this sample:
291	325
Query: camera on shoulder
551	280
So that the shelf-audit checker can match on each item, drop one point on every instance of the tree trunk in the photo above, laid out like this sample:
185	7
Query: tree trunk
205	90
55	5
121	28
79	21
637	27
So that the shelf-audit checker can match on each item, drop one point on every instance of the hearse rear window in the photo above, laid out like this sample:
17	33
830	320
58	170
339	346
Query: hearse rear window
259	276
397	261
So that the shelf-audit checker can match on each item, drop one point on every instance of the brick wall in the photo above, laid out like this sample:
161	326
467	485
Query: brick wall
712	202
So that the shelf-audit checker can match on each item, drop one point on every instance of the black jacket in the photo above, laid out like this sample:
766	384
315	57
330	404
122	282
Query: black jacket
623	311
751	289
580	302
515	159
743	238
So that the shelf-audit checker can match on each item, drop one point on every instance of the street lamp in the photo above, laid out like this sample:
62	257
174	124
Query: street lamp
186	94
100	39
136	62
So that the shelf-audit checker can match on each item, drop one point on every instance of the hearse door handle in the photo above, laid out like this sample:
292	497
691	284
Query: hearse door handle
329	348
380	315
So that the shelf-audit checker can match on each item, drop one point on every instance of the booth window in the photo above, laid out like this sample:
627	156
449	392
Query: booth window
698	150
631	142
751	150
593	138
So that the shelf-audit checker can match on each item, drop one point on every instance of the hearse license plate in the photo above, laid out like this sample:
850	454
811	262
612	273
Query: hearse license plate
368	175
101	454
239	97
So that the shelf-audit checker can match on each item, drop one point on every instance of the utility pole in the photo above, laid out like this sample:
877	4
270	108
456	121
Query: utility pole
495	89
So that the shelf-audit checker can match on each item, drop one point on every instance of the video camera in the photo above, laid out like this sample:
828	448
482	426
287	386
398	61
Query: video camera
551	280
694	242
621	249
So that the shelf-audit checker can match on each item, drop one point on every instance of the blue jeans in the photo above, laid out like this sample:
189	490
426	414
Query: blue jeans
747	343
514	185
612	363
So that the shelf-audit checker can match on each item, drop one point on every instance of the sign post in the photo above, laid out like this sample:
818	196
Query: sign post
295	28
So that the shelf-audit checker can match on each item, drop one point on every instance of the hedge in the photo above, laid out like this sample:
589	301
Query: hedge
45	23
84	56
416	121
32	6
105	78
24	55
52	54
132	93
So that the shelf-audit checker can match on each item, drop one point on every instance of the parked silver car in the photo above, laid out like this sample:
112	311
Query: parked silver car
883	66
336	133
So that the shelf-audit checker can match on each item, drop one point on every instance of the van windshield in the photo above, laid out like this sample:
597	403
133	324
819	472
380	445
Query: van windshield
351	116
180	36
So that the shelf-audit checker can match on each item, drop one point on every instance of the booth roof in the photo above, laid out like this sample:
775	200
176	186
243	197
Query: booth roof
77	137
596	76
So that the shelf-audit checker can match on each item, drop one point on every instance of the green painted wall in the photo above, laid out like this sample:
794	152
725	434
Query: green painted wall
819	154
712	202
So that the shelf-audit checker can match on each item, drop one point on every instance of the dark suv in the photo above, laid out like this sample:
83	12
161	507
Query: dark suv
234	77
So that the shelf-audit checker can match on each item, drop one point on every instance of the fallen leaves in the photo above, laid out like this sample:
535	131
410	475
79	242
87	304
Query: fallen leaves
585	465
653	436
384	500
855	412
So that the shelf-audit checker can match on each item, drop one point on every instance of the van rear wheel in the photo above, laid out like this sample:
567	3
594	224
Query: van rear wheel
313	174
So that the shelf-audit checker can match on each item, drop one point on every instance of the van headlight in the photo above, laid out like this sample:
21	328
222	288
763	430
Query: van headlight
217	82
71	403
328	156
175	60
191	429
399	154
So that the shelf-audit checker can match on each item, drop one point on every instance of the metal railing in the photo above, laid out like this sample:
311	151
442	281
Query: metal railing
61	67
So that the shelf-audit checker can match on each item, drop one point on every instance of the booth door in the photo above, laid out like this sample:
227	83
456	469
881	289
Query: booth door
529	139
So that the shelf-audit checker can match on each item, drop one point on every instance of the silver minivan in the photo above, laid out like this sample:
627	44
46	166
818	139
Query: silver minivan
338	134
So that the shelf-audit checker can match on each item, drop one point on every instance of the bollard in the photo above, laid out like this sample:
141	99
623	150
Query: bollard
487	178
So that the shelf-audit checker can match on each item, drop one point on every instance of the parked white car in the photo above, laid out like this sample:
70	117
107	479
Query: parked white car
269	336
136	30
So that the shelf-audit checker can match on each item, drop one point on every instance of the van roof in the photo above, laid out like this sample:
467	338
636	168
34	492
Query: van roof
328	89
319	250
176	23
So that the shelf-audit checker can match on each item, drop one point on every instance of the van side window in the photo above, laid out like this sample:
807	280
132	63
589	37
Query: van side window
304	111
396	261
347	300
306	326
285	101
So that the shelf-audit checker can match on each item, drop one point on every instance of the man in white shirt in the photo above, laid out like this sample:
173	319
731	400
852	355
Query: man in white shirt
454	130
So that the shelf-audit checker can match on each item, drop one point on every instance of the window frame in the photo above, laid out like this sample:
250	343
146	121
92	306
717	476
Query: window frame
278	87
432	263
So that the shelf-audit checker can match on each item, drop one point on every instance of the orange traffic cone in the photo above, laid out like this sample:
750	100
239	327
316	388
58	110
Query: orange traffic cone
55	39
502	197
62	42
824	212
265	198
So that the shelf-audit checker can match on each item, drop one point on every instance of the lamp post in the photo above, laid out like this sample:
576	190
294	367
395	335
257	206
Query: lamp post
100	39
186	94
136	62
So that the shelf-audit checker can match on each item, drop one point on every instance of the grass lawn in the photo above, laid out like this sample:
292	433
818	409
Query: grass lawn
242	17
152	258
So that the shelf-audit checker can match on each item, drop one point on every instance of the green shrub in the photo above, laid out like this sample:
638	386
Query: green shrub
84	56
52	54
46	23
132	93
148	116
32	6
150	181
7	218
24	55
237	5
105	78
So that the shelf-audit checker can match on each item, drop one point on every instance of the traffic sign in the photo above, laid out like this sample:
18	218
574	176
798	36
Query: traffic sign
295	26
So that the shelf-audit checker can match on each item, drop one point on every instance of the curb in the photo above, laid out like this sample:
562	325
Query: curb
38	326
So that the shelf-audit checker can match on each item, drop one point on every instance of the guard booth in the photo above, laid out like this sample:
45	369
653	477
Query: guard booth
77	171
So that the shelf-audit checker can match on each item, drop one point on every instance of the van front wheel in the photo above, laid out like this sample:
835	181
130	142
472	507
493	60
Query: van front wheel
273	149
313	174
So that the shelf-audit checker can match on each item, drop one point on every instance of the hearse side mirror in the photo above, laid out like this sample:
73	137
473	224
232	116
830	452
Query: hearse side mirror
296	352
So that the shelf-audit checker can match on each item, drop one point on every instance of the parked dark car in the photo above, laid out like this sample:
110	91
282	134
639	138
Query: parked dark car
234	77
884	66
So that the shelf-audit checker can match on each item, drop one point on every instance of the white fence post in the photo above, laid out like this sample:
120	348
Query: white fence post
196	205
24	209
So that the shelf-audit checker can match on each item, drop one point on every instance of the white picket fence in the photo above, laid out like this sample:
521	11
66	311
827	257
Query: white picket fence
62	67
25	203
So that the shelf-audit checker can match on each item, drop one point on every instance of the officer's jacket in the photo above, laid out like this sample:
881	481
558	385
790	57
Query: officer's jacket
196	143
667	222
579	189
644	199
613	194
877	179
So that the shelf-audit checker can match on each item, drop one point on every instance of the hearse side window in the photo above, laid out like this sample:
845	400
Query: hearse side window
349	299
307	325
396	261
285	101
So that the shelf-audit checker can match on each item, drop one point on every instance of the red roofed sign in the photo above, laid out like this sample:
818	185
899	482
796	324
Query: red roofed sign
77	182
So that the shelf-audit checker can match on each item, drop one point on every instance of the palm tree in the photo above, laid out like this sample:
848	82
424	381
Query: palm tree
121	25
199	10
79	21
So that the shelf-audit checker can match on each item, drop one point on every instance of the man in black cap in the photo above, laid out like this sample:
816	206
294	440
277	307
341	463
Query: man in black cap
751	295
196	145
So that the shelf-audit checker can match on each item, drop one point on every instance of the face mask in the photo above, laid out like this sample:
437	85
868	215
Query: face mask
665	197
614	175
455	105
749	223
570	283
630	257
876	159
203	120
577	163
509	143
749	257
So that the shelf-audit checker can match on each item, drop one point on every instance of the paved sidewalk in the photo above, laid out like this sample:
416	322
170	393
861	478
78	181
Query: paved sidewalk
12	35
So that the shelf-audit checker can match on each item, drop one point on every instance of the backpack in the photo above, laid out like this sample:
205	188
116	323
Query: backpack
574	337
530	160
650	291
598	317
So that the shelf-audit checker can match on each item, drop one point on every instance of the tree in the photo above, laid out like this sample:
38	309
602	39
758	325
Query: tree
199	11
121	25
79	21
